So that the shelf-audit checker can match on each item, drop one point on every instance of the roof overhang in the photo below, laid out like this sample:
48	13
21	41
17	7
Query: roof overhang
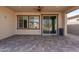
72	8
65	9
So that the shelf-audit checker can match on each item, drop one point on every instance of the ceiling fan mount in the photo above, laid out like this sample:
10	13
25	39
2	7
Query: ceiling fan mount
39	8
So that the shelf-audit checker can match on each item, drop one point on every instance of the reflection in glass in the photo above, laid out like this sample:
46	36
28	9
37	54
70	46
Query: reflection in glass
34	22
49	24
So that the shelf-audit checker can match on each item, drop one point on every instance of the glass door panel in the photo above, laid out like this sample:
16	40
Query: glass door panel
49	25
45	25
52	25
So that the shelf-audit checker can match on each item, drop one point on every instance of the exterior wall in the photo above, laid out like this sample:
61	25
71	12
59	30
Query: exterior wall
6	22
73	26
37	32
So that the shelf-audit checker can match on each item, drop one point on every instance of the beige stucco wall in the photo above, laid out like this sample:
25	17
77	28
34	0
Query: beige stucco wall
37	32
6	22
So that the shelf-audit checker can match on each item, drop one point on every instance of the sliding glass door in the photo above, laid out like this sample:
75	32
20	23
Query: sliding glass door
49	25
45	25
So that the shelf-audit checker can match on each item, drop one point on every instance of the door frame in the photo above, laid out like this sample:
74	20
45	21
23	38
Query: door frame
41	23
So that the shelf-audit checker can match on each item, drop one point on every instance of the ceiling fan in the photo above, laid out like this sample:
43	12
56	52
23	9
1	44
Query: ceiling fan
39	8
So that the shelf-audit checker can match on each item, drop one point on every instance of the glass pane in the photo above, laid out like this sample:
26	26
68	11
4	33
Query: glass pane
25	23
34	22
34	25
34	18
25	18
46	17
20	18
20	22
31	17
45	24
52	24
20	25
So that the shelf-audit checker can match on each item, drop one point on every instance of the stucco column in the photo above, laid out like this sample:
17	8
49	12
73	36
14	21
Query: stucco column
65	24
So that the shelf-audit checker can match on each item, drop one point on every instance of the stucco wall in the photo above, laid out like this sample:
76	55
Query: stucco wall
6	22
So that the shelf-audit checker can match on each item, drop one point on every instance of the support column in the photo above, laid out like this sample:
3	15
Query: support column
65	24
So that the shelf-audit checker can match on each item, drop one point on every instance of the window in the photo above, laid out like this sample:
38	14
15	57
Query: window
22	21
25	21
34	22
30	22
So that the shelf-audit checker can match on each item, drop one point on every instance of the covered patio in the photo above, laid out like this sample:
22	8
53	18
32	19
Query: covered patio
34	20
19	33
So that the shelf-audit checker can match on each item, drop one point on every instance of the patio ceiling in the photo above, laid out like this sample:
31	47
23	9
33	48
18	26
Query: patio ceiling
34	8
